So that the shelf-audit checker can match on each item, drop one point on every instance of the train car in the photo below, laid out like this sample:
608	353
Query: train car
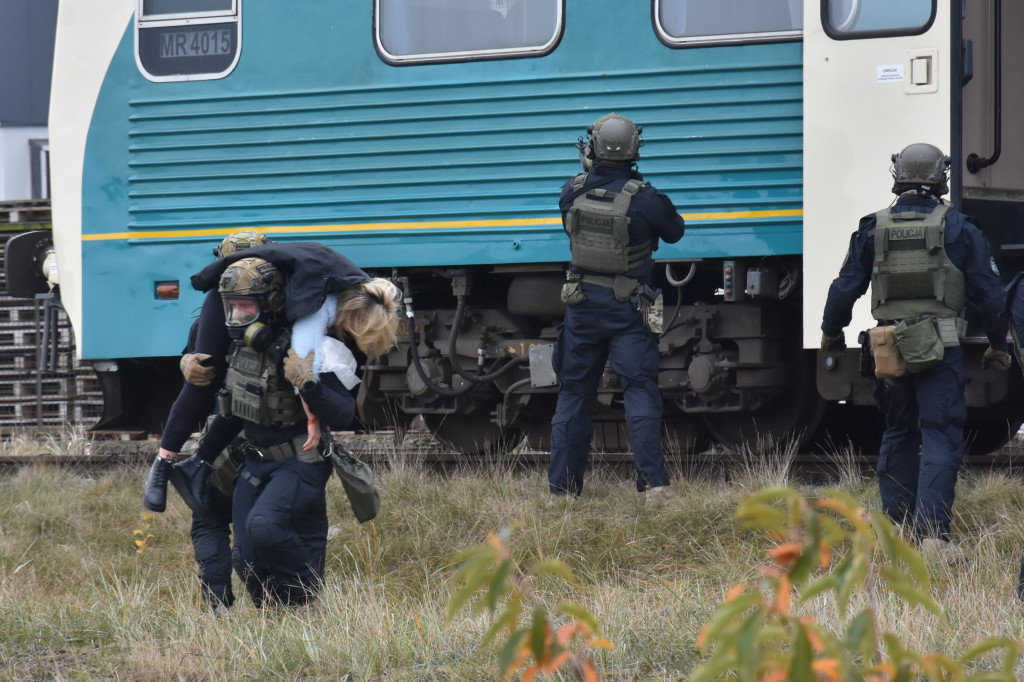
428	139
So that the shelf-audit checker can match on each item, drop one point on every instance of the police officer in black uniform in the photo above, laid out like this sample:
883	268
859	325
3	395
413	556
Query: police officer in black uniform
614	221
203	366
1015	310
279	505
923	261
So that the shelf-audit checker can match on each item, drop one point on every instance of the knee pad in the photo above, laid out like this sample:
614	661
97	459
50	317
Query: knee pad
263	534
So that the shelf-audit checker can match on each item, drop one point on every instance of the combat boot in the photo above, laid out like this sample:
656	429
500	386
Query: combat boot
155	498
189	478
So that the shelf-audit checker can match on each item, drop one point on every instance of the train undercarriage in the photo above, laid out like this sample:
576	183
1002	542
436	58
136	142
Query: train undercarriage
733	370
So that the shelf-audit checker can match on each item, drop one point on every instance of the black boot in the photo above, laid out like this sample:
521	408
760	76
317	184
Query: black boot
155	498
189	479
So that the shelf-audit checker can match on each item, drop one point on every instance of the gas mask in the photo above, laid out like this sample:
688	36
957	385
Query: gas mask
242	315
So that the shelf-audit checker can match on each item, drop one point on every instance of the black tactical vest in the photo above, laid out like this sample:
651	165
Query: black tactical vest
258	390
912	276
599	229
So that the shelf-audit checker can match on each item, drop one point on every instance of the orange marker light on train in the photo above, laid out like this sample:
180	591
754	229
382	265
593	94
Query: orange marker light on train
167	289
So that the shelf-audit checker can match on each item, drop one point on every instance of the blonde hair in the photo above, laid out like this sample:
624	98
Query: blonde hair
369	313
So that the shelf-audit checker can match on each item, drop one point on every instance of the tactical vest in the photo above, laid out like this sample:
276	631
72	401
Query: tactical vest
257	388
912	276
599	229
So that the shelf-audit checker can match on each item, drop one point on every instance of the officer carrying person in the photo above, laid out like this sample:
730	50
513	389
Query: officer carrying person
614	221
279	503
923	261
203	366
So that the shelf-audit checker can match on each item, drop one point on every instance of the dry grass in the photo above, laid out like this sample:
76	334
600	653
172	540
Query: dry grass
78	602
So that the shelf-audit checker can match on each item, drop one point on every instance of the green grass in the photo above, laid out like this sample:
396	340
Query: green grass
78	603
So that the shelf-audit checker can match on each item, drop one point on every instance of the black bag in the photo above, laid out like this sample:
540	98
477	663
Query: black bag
357	479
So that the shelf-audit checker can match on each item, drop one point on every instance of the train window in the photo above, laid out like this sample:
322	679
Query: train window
411	31
688	22
843	19
179	40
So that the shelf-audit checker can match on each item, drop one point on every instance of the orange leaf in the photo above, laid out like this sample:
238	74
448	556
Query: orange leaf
529	674
701	635
555	663
601	643
812	636
783	597
774	676
589	672
567	631
494	541
786	554
826	666
736	591
826	555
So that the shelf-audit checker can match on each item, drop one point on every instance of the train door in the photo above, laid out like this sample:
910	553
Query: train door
876	78
991	162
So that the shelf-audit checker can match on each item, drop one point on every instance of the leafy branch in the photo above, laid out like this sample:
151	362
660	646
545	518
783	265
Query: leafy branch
533	641
756	636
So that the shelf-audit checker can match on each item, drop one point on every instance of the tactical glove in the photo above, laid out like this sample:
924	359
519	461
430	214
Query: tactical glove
194	371
299	371
833	346
996	359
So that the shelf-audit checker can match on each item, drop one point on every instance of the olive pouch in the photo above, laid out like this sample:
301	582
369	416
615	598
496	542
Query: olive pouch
889	363
919	344
572	293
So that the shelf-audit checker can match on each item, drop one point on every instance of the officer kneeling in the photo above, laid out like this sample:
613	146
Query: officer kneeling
923	260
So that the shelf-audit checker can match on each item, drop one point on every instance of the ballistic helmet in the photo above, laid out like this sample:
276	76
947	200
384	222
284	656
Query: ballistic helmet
238	241
614	137
257	279
920	164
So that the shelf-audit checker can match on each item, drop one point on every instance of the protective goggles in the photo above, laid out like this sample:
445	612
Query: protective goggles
240	311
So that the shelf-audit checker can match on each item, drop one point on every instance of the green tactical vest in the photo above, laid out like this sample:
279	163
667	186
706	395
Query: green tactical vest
912	275
259	392
599	229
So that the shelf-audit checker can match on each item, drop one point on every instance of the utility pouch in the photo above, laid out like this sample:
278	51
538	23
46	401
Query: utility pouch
950	331
919	344
224	471
572	293
654	313
624	287
357	479
889	363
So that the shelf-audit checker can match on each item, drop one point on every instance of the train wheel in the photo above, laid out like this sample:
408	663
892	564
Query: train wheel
472	434
797	415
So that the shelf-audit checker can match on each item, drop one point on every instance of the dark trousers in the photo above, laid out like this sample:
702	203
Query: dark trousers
923	445
211	539
280	511
598	329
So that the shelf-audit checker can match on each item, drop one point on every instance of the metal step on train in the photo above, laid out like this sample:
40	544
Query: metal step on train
41	383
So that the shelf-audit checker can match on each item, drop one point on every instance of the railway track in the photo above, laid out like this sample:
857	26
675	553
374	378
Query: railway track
114	449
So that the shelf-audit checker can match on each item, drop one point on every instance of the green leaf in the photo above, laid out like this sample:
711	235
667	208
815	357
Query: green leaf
497	585
581	614
553	567
714	668
990	644
506	621
538	633
860	636
473	582
822	584
508	652
898	584
800	669
727	613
